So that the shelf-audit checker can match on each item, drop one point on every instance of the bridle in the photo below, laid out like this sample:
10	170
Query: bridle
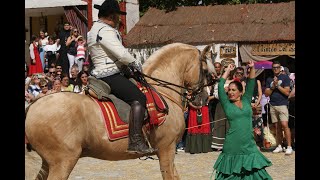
139	76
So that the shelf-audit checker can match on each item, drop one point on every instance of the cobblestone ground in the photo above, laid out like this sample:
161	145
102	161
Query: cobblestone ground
189	166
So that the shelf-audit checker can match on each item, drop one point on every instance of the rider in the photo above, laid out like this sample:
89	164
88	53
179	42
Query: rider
109	56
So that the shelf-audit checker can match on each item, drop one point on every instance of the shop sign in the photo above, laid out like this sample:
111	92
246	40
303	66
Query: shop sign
273	49
228	52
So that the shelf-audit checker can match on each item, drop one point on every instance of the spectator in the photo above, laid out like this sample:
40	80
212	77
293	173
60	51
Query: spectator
50	51
65	85
56	86
278	88
86	67
199	132
63	58
42	43
182	144
217	67
82	82
71	48
257	120
74	74
81	52
35	66
34	86
58	68
221	124
50	76
44	88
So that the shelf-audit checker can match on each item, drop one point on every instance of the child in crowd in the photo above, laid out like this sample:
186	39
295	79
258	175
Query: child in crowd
81	52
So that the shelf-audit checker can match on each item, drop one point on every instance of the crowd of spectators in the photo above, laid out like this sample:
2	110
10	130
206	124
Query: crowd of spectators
58	62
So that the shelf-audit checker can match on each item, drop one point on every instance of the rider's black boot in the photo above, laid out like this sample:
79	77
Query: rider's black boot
137	143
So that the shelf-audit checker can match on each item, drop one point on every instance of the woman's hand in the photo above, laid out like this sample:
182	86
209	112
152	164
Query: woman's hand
230	67
250	63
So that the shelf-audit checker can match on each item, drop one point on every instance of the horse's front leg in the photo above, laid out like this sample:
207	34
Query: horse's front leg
166	159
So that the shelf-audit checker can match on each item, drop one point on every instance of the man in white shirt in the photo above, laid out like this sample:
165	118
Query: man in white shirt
109	56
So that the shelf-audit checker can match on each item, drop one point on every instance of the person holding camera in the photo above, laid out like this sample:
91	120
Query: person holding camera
109	56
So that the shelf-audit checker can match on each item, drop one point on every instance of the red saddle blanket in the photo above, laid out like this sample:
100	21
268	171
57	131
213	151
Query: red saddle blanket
118	129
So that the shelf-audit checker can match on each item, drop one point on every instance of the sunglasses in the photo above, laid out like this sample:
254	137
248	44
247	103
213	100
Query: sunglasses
52	72
239	72
43	86
75	31
276	67
58	68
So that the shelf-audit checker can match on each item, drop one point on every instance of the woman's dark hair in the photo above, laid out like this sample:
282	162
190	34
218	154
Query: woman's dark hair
240	68
42	30
238	84
78	80
33	37
51	38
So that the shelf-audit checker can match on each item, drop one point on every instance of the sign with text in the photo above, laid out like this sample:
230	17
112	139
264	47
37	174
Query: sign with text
227	52
273	49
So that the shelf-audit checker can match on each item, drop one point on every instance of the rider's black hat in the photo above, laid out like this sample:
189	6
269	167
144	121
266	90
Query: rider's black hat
109	6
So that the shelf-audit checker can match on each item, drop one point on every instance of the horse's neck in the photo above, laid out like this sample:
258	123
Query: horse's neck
172	75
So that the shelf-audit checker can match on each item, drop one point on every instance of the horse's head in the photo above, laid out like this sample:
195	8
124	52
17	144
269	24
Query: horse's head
197	71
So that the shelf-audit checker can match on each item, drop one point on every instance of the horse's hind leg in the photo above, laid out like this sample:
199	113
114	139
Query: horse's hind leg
166	159
43	173
62	162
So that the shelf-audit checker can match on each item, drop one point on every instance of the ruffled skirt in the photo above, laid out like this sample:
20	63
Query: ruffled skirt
242	167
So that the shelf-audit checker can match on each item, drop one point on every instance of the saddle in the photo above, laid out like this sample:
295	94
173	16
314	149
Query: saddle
101	91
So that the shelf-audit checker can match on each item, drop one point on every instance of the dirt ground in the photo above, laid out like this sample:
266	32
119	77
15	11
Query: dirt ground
189	167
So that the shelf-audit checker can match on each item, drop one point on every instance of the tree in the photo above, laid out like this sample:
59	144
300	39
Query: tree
170	5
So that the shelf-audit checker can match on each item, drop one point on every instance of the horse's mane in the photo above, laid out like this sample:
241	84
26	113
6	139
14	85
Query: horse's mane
159	57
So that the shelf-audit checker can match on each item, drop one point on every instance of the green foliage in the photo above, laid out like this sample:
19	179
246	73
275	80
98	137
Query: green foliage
170	5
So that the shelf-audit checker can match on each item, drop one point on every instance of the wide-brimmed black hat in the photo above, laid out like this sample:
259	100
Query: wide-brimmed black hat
109	6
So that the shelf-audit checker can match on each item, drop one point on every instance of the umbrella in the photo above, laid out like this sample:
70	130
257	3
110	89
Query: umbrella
263	65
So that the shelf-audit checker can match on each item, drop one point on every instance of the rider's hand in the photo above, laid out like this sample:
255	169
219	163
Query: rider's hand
135	65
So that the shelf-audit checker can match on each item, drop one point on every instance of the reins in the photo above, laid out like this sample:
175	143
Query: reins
140	77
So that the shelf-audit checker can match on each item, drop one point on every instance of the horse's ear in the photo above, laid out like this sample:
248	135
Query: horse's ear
206	53
206	56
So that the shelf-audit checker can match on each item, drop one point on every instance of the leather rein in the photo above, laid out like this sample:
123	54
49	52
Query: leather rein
200	85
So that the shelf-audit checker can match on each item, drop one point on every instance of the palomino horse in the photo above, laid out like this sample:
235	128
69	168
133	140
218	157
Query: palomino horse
64	127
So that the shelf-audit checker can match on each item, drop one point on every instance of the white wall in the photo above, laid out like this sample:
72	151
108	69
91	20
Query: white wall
52	3
132	13
217	49
143	54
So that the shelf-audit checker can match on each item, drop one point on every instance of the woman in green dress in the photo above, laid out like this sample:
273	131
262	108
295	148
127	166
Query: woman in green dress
240	158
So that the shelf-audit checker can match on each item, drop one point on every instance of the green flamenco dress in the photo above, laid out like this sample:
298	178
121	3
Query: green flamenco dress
240	158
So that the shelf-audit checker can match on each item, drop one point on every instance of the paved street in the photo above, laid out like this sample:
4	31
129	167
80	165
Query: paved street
189	166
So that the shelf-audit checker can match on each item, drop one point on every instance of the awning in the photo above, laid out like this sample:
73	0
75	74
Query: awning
263	65
52	3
